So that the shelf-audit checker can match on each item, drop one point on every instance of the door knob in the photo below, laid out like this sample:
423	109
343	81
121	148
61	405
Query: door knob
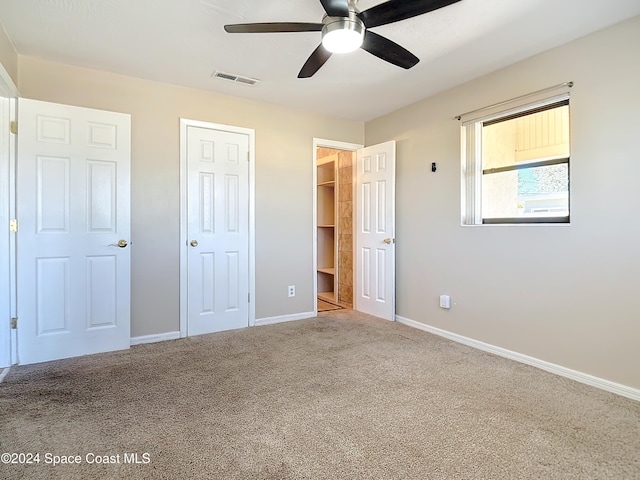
121	244
194	243
388	241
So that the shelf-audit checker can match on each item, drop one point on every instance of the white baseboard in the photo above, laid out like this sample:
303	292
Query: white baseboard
284	318
585	378
4	373
160	337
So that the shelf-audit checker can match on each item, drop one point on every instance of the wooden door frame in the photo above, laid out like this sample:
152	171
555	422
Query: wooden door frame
8	336
319	143
184	124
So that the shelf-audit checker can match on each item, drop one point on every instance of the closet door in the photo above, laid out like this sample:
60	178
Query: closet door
218	230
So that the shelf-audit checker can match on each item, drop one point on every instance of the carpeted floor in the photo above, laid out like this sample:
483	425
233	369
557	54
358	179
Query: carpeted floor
343	396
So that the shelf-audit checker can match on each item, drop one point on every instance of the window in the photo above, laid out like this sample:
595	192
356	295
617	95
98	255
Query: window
516	165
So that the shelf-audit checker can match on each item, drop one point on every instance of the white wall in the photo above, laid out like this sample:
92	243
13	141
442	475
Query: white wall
569	295
284	169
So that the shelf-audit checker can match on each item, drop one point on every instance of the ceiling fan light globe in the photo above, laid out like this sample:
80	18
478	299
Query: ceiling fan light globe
342	36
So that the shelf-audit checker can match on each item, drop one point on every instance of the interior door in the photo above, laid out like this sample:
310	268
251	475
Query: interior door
218	230
73	260
375	230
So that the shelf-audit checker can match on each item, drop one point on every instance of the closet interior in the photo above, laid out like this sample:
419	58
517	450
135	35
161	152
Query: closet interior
334	201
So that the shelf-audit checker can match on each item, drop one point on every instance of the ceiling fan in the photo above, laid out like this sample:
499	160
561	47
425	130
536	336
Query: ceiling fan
344	29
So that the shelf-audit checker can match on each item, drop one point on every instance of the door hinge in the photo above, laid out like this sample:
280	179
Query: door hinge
13	225
248	156
14	323
13	127
249	297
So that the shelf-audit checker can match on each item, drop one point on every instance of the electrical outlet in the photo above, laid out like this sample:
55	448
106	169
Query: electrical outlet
292	291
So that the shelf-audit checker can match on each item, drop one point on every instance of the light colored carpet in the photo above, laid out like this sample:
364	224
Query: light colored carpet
343	396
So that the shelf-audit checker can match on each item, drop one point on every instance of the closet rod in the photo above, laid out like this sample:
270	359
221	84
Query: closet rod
499	104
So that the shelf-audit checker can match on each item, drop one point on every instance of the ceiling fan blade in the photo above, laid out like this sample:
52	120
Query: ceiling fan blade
388	51
396	10
317	59
274	27
336	8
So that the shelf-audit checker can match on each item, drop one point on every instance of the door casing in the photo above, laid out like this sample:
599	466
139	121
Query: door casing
8	338
184	124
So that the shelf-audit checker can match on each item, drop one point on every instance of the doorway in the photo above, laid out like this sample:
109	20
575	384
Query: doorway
333	226
354	242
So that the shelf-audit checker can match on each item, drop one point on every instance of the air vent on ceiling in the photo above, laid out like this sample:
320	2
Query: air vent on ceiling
235	78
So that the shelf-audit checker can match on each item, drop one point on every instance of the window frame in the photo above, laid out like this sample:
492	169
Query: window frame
472	171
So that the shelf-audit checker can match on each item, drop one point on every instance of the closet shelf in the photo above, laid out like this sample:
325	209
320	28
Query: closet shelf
325	160
330	271
331	183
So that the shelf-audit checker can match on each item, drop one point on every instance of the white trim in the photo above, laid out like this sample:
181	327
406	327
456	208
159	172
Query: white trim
7	86
6	258
8	337
159	337
613	387
183	229
320	142
184	123
285	318
13	156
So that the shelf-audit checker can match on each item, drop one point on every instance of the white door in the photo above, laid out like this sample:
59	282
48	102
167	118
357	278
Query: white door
218	230
375	230
73	260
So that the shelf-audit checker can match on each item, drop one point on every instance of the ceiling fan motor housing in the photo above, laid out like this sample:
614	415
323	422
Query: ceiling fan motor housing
343	34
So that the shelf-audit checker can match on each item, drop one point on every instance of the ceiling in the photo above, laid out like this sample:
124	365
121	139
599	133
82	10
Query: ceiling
182	42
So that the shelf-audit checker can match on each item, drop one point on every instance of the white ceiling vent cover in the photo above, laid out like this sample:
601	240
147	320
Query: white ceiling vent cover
235	78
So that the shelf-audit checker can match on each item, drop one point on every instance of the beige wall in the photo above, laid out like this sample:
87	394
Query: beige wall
284	169
569	295
8	56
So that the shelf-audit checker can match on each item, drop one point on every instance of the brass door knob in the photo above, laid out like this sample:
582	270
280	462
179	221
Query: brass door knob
194	243
121	244
388	241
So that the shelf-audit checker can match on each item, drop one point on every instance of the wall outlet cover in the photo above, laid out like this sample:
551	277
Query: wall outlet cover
445	301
